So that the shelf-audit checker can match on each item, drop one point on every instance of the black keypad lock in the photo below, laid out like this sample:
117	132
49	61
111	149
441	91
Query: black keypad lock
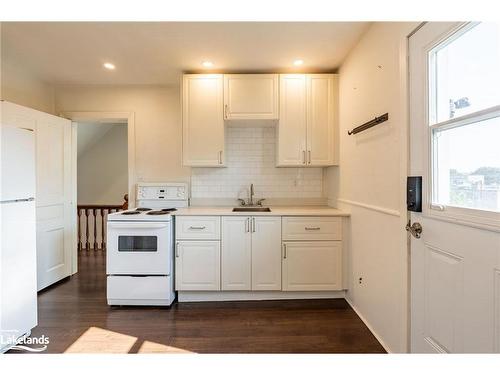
414	193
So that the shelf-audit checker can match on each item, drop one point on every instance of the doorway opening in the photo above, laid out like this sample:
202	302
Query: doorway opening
102	179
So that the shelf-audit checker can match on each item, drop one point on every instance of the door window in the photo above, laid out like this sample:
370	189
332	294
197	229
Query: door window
464	116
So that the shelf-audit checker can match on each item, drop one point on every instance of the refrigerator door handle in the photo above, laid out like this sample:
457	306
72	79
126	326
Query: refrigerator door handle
31	199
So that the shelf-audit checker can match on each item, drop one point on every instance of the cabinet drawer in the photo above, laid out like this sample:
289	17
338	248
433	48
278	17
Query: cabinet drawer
197	227
311	228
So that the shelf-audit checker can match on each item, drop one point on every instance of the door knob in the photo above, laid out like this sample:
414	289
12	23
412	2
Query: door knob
415	229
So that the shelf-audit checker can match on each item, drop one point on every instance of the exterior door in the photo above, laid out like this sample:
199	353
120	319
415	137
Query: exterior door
55	210
454	133
266	253
236	253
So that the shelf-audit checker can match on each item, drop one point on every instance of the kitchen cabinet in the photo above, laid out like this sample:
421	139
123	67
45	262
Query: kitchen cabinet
266	253
312	265
251	253
251	96
307	125
202	120
197	265
236	253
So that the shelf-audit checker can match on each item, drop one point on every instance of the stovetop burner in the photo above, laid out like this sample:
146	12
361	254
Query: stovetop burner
131	212
169	209
143	209
162	212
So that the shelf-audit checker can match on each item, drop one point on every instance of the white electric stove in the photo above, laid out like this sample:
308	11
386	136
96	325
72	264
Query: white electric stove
140	247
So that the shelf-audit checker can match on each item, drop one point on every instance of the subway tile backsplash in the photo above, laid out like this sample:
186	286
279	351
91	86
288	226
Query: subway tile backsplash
251	158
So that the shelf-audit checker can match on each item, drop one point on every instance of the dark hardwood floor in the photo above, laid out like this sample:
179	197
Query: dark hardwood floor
75	317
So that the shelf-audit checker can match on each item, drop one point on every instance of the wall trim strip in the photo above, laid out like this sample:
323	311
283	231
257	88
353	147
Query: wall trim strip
383	210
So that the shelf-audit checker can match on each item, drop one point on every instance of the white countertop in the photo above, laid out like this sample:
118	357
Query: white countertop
275	211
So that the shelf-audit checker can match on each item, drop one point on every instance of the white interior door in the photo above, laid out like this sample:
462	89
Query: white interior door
454	133
54	206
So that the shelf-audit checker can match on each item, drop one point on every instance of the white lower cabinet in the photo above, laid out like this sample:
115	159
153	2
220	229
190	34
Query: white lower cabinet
251	253
266	253
236	253
197	265
312	265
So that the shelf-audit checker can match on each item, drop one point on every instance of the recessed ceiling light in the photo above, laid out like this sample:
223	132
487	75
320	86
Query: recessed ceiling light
298	62
207	64
109	66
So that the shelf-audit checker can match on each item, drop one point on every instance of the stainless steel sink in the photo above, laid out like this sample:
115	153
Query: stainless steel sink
251	209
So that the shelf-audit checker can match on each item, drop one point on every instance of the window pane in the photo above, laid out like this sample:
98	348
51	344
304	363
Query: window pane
467	73
467	162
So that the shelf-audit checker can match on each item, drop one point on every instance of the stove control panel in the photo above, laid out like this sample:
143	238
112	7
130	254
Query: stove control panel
162	191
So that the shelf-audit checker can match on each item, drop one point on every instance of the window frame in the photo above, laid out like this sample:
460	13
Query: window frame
468	216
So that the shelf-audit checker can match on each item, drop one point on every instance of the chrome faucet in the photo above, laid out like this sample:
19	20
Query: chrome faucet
250	200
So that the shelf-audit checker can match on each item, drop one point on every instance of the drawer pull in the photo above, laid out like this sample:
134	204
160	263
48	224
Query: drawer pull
177	250
312	228
198	228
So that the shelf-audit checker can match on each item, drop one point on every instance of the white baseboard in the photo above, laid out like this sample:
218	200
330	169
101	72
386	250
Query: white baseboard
379	339
254	296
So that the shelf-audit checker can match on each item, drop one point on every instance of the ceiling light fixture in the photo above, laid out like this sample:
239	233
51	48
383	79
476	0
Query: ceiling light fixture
207	64
109	66
298	62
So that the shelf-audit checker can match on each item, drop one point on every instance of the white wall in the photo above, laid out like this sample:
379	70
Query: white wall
20	86
251	158
102	163
370	181
158	128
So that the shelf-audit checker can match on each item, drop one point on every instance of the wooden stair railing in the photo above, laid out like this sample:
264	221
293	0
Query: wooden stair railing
91	217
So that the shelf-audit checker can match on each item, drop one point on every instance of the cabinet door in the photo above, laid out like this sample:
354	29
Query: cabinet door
314	265
202	120
292	122
250	96
197	265
236	253
321	99
266	253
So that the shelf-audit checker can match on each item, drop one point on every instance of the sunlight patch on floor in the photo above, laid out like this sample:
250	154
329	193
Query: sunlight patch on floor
153	347
98	340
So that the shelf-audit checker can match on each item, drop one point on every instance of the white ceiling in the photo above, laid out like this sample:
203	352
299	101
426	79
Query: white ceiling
157	52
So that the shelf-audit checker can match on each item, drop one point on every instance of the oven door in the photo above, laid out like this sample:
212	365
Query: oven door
139	248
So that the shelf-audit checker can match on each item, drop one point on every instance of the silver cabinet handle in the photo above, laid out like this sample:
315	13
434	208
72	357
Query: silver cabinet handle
225	111
284	251
303	157
199	228
220	157
177	249
312	228
247	225
253	224
309	152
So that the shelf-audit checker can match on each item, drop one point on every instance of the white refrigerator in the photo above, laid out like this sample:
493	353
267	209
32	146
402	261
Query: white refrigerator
18	290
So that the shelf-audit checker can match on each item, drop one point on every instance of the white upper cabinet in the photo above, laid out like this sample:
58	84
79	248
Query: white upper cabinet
321	100
202	120
307	125
292	123
251	96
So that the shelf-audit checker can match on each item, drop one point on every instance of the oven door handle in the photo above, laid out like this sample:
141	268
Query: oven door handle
137	225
